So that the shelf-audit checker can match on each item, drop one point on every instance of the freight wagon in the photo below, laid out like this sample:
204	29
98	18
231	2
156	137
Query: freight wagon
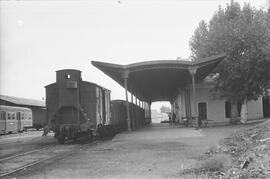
75	107
119	115
14	119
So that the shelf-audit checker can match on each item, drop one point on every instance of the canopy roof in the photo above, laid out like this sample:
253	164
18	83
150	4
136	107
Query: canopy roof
158	80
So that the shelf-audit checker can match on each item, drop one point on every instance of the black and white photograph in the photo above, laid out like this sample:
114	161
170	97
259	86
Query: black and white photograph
134	89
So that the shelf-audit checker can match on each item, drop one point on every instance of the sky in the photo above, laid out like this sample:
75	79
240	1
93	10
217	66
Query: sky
40	37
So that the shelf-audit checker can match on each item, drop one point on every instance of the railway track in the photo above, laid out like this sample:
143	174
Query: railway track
13	164
24	153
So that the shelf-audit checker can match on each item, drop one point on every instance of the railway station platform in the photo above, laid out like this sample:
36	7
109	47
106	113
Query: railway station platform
154	151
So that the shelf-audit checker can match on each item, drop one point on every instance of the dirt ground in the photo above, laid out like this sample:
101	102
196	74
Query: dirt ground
13	144
155	151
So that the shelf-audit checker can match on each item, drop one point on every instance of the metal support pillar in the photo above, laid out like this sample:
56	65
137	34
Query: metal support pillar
192	71
149	104
125	77
132	112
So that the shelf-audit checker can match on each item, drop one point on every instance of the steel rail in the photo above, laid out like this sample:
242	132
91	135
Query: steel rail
58	157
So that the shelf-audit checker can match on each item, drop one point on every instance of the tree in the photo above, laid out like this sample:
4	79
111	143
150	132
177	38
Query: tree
243	34
164	109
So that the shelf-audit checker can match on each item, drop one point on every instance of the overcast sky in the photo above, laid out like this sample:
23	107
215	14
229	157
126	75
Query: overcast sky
39	37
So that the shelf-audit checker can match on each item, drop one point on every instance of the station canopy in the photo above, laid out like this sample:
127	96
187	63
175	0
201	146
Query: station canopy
152	81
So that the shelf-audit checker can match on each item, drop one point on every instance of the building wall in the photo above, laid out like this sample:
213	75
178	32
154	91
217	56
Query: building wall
215	105
255	109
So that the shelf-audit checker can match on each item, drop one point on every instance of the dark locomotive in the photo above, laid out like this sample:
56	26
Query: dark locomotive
75	107
78	108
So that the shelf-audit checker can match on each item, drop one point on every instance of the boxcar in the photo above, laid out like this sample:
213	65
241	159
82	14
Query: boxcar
75	107
119	115
14	119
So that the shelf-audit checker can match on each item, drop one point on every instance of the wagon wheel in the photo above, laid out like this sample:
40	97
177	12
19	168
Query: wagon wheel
24	129
61	139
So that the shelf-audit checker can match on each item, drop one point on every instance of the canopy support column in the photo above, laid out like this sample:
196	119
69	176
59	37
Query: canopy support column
133	118
192	71
149	104
125	77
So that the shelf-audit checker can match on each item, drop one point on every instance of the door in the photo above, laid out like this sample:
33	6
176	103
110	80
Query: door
202	109
11	123
266	106
19	121
3	122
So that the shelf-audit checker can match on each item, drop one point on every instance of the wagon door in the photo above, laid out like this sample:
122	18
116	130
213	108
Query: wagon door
19	121
3	122
11	122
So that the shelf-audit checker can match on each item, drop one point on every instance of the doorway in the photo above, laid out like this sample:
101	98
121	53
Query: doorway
202	110
266	106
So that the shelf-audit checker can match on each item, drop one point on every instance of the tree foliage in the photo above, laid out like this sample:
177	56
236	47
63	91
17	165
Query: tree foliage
243	34
164	109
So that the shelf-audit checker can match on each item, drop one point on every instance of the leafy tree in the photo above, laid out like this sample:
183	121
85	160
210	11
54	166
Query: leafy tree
164	109
243	34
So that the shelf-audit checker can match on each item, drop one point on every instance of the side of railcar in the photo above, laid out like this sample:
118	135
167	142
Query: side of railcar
88	101
15	119
24	118
118	115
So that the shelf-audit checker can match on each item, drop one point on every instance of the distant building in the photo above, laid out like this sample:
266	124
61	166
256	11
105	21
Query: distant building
38	108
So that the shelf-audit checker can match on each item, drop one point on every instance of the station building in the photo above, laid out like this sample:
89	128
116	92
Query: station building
215	109
185	84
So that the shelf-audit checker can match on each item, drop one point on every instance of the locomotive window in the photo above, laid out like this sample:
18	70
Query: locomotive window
9	116
13	116
22	116
68	76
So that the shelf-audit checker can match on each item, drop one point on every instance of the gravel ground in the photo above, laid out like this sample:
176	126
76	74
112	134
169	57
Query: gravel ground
155	151
13	144
248	151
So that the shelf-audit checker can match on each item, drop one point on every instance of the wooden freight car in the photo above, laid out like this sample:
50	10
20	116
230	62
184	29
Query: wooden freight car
119	115
75	107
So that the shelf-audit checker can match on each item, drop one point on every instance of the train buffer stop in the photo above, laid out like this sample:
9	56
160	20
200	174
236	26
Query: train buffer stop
163	80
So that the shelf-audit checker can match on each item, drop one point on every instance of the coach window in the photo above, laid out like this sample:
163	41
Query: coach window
2	115
67	76
13	116
9	116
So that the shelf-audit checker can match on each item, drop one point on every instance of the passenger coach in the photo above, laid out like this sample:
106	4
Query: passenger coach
15	119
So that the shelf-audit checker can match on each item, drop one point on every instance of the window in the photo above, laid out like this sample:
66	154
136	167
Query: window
9	116
2	115
67	76
13	116
22	116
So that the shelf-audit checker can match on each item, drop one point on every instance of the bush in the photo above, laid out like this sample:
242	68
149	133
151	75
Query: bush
218	162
